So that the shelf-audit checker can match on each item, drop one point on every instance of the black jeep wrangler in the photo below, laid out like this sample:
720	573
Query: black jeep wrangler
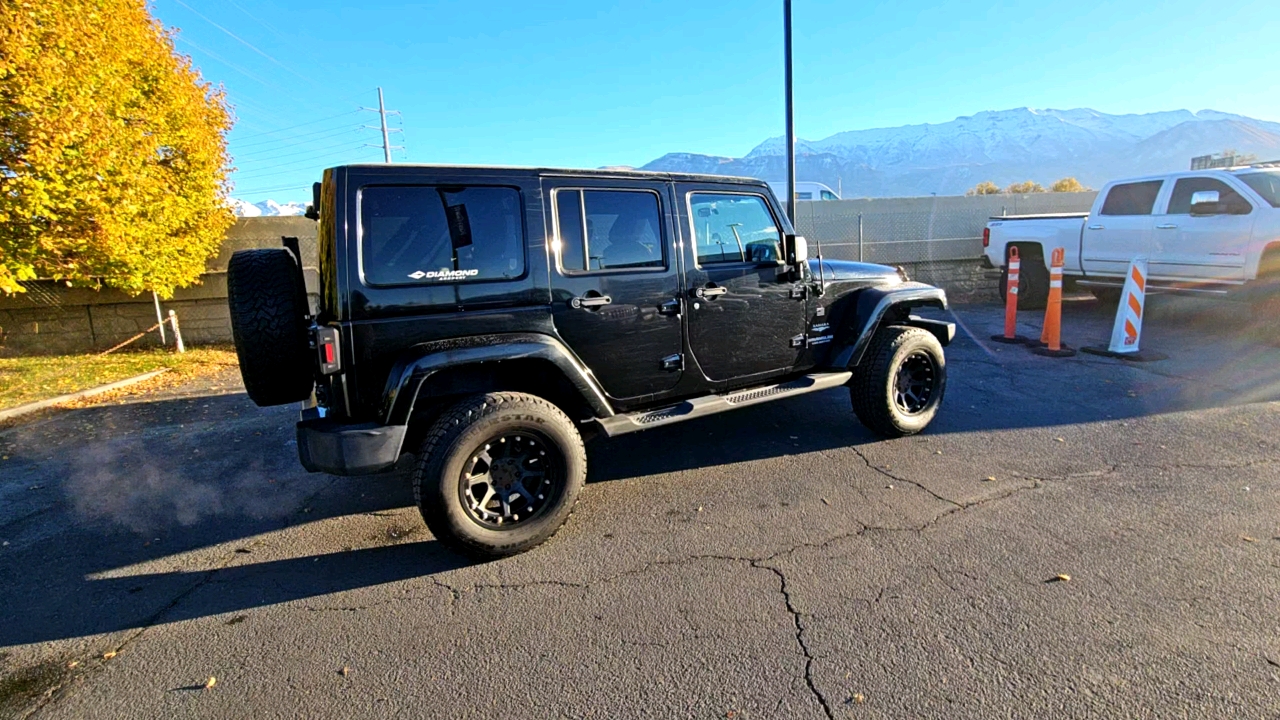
484	319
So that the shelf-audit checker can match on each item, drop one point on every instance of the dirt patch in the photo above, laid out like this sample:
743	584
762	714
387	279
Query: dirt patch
21	688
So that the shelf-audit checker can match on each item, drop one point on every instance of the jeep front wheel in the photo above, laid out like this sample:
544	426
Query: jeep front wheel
499	474
898	388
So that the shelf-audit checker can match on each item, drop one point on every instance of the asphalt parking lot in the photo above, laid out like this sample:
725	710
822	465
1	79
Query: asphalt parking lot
776	562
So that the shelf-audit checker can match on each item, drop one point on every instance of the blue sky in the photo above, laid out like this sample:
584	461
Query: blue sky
584	84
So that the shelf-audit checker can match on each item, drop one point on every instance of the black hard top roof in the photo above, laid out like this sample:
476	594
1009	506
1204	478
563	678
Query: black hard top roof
578	172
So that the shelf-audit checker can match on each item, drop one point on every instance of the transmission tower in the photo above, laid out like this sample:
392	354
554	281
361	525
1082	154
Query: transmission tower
383	112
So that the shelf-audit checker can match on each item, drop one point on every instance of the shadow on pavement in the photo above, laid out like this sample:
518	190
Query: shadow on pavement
95	490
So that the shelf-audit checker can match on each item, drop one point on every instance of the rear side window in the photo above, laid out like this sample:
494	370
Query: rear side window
1231	202
601	230
440	233
1132	198
1266	184
733	229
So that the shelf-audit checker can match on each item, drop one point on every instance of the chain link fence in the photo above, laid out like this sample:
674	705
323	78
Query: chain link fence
919	230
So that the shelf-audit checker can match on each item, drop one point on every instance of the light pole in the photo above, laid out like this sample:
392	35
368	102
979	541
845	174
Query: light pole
791	127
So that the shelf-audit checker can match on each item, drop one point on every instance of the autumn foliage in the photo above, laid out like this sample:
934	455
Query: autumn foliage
113	162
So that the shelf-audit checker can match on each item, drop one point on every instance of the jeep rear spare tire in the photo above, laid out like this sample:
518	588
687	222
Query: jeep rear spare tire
499	474
268	304
899	385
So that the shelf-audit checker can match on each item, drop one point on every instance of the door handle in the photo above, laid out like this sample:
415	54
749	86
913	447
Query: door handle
590	301
670	307
1096	227
709	291
1167	226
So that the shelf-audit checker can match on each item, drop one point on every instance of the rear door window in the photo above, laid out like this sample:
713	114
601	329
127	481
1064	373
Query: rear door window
604	230
1230	200
1137	198
435	234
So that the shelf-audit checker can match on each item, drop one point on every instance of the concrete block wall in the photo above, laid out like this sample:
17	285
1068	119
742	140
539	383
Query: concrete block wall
52	319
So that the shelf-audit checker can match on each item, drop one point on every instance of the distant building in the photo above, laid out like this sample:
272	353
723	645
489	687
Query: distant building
1206	162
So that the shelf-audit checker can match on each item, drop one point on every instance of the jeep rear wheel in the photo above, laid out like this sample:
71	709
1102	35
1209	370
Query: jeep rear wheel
898	388
268	306
498	474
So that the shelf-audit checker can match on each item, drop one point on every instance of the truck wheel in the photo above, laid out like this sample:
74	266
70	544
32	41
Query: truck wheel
499	474
269	324
1263	296
898	387
1033	279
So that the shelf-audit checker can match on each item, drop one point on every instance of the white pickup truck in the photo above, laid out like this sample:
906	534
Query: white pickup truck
1209	231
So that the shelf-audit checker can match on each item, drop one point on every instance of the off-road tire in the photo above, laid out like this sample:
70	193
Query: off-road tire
1033	278
268	306
872	388
457	435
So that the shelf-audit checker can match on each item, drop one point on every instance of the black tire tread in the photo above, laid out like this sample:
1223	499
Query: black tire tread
1033	279
445	429
866	389
268	325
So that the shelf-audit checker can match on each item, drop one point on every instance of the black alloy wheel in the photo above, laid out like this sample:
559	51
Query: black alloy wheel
511	479
915	384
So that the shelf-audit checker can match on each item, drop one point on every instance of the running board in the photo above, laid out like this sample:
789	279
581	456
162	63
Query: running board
1156	288
712	404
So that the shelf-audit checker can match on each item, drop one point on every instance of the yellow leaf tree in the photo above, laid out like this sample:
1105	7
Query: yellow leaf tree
1067	184
113	163
1022	188
986	187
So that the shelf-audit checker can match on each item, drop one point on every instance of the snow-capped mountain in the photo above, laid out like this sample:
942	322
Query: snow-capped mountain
266	208
1003	146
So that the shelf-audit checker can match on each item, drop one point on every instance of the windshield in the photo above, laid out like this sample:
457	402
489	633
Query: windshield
1266	184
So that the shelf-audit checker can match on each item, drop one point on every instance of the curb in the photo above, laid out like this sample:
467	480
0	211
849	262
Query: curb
42	404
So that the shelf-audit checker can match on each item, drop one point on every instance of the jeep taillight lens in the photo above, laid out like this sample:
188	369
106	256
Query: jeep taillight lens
986	237
327	350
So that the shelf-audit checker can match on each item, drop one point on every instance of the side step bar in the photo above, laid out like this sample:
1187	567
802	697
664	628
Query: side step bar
712	404
1156	288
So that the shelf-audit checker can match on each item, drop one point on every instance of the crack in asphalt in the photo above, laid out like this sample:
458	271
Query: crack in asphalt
867	461
456	593
797	619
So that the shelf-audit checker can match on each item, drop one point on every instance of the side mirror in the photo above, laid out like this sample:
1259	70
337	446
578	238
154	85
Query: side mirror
1205	202
796	249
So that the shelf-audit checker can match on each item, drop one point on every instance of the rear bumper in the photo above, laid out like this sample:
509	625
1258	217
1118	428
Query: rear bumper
346	449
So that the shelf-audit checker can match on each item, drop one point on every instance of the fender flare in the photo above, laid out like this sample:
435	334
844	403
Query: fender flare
875	303
407	376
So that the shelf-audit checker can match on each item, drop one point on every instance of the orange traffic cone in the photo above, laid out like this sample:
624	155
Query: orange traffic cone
1050	344
1011	335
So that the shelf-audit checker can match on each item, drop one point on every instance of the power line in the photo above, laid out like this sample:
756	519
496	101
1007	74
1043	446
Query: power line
274	173
246	43
324	134
314	151
313	122
263	172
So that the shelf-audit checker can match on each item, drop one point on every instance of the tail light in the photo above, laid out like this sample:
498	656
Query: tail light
986	237
327	349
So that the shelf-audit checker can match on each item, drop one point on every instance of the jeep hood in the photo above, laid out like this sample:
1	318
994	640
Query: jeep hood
845	270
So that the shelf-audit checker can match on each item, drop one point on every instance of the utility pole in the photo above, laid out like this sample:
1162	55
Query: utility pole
791	127
383	112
